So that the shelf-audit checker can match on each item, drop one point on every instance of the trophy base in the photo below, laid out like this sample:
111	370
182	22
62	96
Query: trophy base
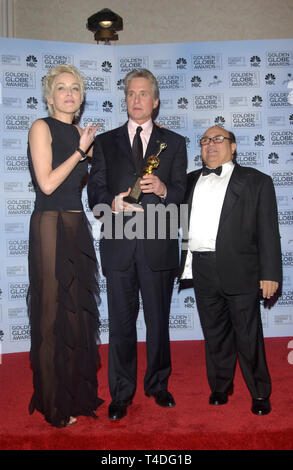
131	200
135	194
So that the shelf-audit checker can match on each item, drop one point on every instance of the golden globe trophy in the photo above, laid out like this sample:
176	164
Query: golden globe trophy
152	162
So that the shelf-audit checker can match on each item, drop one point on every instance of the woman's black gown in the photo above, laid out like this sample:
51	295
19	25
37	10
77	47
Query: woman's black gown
63	294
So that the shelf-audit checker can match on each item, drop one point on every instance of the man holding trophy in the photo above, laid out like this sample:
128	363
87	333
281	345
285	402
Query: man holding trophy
136	167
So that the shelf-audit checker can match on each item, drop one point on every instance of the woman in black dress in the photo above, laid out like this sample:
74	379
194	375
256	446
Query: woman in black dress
63	296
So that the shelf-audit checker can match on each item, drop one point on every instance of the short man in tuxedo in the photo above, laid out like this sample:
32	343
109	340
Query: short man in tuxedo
141	264
231	251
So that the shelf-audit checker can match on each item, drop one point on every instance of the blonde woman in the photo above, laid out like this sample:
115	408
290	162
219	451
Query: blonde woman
63	295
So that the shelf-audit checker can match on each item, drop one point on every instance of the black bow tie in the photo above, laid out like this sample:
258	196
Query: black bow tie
207	171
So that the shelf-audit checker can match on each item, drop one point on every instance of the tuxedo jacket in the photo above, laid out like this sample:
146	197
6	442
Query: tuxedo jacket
248	241
113	171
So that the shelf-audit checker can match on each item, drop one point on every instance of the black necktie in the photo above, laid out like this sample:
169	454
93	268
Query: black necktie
137	150
207	171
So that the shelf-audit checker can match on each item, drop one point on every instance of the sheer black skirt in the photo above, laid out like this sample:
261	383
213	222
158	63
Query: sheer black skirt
63	301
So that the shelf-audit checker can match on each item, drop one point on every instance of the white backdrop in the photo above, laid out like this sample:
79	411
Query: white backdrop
240	85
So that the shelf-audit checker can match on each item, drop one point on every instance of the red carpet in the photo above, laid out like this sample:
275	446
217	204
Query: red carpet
192	425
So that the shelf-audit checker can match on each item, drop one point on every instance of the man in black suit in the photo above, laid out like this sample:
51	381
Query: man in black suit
143	262
231	251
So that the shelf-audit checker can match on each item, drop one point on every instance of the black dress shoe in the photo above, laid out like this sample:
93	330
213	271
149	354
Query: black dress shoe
162	398
218	398
261	406
118	409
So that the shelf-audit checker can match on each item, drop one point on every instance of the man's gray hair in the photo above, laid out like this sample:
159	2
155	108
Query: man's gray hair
142	73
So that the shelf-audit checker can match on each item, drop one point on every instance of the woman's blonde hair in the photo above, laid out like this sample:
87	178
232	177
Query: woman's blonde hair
49	83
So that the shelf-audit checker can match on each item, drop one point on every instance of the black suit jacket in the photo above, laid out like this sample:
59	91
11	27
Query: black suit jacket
113	171
248	241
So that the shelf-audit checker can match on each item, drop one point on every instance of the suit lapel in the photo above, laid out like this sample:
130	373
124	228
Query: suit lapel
154	143
191	183
123	142
235	187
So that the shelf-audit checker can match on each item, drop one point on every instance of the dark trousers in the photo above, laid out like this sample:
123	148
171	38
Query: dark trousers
232	330
123	302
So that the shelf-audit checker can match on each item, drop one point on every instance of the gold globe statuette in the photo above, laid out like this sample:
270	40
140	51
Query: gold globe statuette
152	163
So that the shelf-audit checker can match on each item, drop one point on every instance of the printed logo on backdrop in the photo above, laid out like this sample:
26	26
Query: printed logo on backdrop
270	79
244	79
96	83
187	141
250	158
273	158
237	61
201	123
15	207
127	64
107	107
14	227
17	290
32	103
88	64
181	63
104	124
219	121
278	99
18	122
184	321
276	121
189	302
282	178
91	106
216	81
122	106
19	79
17	247
236	101
10	59
174	81
256	101
19	332
173	122
255	61
120	84
182	103
259	140
12	102
280	59
285	217
281	138
196	81
106	66
50	60
286	300
16	271
197	161
290	159
287	258
246	120
31	61
17	314
15	164
15	186
208	101
206	62
282	200
162	64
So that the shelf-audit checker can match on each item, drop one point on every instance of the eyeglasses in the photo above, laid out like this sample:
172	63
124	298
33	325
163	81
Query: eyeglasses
218	139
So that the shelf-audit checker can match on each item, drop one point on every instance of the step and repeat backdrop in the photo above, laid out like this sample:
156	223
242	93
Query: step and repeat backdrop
242	86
